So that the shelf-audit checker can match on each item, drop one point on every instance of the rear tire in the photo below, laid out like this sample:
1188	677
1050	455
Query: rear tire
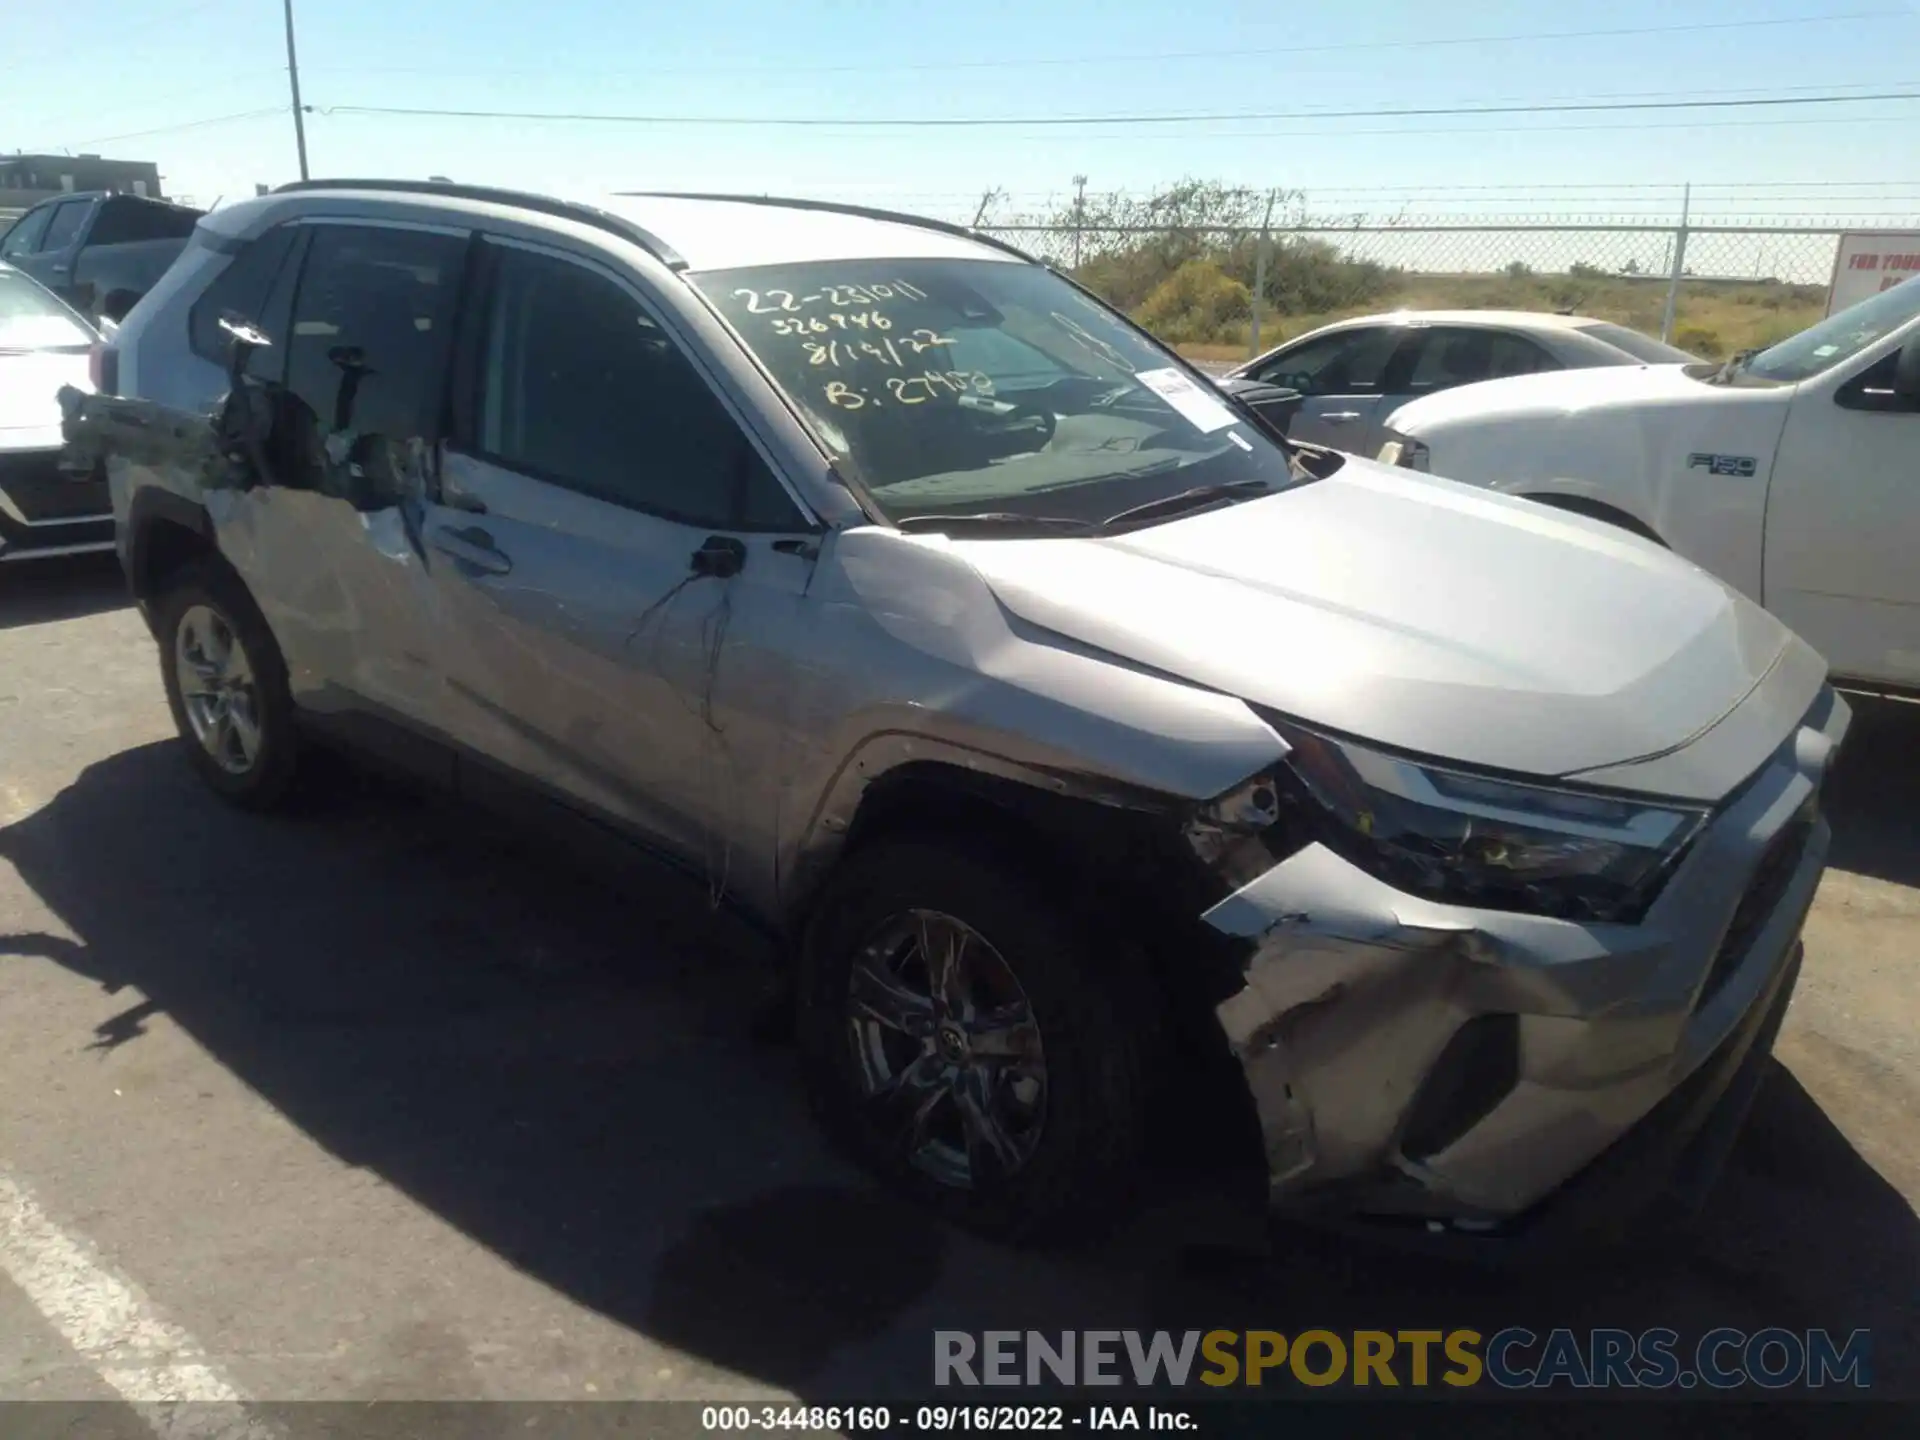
1014	1100
226	684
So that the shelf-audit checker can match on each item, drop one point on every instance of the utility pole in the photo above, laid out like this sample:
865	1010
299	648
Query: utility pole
1679	266
293	80
1079	214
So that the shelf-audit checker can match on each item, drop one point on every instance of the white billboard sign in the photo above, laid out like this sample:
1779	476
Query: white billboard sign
1870	261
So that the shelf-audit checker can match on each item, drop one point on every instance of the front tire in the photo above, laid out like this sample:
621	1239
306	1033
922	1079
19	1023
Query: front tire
227	687
962	1043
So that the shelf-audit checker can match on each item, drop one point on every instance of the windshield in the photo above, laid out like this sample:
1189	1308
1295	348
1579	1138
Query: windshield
1838	337
1644	348
988	387
31	319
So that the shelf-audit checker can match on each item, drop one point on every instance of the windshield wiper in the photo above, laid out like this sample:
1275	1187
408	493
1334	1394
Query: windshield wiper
992	520
1194	499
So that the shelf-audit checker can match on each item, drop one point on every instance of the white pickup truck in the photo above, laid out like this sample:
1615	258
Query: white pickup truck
1793	474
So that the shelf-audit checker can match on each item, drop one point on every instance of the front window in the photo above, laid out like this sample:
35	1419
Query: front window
1839	337
32	319
955	388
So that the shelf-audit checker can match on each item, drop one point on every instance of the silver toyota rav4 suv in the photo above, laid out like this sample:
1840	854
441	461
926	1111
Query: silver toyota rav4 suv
1086	743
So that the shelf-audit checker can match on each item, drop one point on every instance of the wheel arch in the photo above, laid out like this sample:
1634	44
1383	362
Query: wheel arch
1119	865
164	532
1594	509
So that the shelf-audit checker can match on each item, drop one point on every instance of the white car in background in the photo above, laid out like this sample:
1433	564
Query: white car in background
1792	474
44	344
1355	373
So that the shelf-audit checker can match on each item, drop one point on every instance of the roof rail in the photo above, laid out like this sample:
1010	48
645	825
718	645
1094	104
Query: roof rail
899	217
522	199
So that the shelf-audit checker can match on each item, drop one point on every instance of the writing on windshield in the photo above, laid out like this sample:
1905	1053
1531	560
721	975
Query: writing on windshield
959	387
865	327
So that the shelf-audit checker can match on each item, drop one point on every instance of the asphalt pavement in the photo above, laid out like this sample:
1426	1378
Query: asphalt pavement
384	1102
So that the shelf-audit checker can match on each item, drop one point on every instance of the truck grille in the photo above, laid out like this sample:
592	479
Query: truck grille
1770	880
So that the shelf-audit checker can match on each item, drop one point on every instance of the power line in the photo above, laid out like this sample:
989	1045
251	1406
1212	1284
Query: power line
183	125
1134	137
1156	58
1056	121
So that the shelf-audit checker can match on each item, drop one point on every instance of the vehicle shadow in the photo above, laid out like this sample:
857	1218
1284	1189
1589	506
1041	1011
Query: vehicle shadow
565	1070
1873	797
66	588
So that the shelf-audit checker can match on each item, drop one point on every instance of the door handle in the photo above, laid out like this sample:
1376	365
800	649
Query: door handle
472	547
1340	417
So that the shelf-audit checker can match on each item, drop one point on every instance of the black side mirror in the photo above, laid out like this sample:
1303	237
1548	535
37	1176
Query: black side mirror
1906	372
1275	405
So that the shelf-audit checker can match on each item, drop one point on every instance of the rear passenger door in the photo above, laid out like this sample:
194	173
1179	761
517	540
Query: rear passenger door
620	573
329	541
1341	376
50	258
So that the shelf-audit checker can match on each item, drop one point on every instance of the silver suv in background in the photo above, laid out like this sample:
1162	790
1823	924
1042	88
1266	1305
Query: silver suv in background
1081	737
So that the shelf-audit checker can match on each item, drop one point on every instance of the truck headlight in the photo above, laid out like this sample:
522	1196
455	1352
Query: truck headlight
1450	835
1405	452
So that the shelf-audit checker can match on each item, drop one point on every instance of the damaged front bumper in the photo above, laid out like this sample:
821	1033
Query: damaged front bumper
1492	1071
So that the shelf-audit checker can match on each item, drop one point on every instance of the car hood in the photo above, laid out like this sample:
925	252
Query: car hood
29	383
1556	393
1413	612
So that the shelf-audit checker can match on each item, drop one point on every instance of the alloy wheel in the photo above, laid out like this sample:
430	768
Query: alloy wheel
947	1049
217	689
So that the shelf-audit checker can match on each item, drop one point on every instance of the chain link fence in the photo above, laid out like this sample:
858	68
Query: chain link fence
1712	289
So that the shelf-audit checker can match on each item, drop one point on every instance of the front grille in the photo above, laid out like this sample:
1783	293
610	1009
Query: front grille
36	491
1770	880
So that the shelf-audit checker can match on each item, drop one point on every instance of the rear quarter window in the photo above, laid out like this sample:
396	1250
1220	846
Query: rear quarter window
243	289
1644	348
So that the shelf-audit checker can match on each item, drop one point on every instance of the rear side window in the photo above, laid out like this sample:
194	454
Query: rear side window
241	289
124	221
371	332
579	386
1352	362
66	223
1448	357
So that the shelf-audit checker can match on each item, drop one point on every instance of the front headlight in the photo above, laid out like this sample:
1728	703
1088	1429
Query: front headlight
1408	454
1450	835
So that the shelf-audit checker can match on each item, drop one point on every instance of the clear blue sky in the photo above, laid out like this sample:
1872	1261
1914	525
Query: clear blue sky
77	74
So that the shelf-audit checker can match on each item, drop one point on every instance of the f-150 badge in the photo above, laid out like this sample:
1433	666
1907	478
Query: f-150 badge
1743	465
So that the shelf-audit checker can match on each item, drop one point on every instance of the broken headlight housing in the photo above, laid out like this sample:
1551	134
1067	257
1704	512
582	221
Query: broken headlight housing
1449	835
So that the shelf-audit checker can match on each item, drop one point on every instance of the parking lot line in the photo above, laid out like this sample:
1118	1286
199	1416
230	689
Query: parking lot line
159	1368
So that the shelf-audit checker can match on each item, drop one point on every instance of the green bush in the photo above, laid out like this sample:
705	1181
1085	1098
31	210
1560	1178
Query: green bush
1700	340
1196	303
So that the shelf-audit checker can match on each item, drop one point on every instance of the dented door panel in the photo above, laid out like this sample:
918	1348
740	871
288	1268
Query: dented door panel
589	657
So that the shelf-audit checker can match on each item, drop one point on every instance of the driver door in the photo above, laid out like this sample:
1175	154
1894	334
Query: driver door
1342	376
1842	553
619	577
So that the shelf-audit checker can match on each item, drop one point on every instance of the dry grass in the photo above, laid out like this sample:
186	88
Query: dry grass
1713	319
